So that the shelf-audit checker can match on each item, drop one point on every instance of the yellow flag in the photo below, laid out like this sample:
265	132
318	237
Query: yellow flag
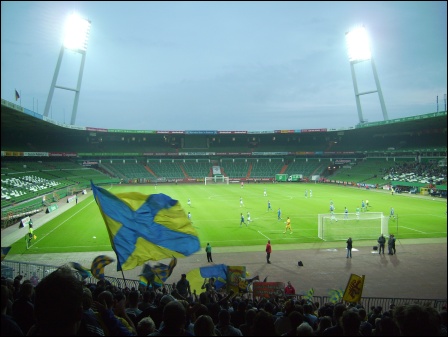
353	291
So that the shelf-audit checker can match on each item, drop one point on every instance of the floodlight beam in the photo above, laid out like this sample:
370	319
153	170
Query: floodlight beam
359	51
77	43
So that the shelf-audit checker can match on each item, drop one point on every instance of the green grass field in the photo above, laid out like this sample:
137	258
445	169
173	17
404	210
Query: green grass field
215	211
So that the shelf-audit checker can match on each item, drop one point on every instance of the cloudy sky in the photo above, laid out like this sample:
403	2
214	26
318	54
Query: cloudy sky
226	65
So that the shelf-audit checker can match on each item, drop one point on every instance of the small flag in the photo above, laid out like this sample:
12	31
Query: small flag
83	271
353	291
335	295
98	265
5	251
17	95
309	295
160	272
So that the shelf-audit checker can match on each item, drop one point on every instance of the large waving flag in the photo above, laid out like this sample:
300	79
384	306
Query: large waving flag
145	227
5	251
83	271
353	291
98	265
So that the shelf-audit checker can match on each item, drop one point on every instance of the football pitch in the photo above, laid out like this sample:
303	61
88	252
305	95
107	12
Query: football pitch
216	211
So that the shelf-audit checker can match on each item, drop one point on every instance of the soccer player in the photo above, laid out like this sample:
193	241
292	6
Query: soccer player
248	218
242	220
288	226
345	213
363	206
311	193
357	213
265	193
189	216
269	206
30	235
279	214
332	212
392	213
241	202
306	193
189	202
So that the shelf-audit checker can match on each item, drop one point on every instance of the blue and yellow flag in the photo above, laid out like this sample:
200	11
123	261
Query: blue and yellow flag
158	273
98	265
83	271
218	271
5	251
335	295
353	291
145	227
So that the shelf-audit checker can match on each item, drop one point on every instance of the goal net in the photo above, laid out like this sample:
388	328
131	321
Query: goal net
216	180
341	226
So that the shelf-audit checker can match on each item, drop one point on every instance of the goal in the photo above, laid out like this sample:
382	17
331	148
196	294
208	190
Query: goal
341	226
216	180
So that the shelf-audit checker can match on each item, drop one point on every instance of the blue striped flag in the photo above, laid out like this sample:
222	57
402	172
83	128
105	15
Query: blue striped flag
5	251
160	272
145	227
98	265
83	271
218	271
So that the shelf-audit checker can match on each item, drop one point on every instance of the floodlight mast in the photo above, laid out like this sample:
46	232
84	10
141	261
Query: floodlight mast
359	51
77	33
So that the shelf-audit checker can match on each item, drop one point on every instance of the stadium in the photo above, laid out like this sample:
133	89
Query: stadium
113	203
45	165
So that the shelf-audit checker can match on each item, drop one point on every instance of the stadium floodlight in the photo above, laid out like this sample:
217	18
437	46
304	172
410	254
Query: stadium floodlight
77	32
359	51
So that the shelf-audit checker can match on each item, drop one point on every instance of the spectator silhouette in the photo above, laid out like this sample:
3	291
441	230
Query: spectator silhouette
9	325
145	326
23	307
174	318
58	304
336	329
248	321
224	326
263	324
350	322
324	323
416	320
204	326
296	319
305	329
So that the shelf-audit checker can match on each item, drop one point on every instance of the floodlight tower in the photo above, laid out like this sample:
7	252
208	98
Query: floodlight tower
76	36
359	51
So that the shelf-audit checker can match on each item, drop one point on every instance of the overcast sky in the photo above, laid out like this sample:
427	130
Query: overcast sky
226	65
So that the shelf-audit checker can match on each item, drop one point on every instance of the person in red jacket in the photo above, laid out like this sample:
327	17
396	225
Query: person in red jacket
289	289
268	251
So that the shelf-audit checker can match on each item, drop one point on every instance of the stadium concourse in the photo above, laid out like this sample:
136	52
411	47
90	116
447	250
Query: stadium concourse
408	274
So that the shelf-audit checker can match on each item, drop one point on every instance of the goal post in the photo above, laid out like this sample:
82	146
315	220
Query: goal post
218	179
340	226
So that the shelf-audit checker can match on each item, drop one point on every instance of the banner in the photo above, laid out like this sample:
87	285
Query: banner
267	289
353	291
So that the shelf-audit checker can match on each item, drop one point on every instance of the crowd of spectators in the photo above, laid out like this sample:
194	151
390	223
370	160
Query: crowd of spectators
63	305
430	172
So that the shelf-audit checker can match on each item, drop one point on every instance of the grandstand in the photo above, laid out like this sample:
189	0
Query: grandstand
37	172
372	154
